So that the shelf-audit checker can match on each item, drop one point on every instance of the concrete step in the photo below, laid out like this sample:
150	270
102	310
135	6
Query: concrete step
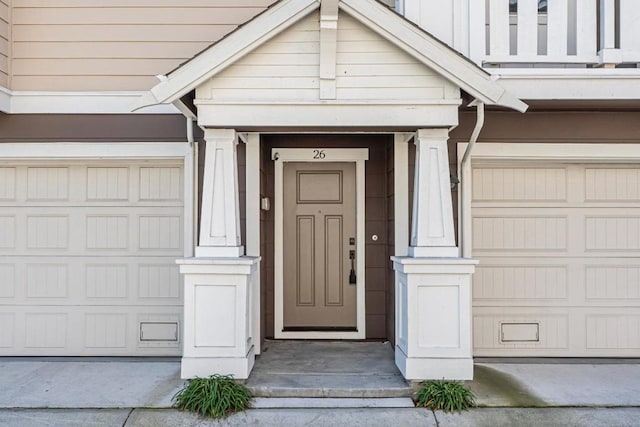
330	386
307	403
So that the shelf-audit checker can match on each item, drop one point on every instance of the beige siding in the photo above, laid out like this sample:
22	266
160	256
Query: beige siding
4	42
287	68
88	45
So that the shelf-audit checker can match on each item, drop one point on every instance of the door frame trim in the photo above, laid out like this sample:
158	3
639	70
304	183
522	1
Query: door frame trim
346	155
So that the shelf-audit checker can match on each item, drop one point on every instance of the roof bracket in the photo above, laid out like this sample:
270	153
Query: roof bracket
328	44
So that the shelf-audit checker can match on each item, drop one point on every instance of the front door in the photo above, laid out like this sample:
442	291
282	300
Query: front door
319	274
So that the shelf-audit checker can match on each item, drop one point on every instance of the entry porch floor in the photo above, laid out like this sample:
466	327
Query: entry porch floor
327	369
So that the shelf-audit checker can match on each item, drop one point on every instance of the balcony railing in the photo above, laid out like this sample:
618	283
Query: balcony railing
570	33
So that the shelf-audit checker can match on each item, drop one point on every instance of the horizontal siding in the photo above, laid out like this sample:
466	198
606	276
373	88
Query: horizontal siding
365	61
89	45
4	42
287	68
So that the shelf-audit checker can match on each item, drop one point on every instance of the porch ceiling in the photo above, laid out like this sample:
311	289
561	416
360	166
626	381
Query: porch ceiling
329	63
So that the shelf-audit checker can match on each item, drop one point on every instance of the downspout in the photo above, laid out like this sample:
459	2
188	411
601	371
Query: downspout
465	181
194	199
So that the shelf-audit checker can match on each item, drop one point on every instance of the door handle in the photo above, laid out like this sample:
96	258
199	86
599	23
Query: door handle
352	274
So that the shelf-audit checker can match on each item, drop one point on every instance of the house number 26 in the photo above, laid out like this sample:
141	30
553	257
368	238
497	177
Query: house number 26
319	154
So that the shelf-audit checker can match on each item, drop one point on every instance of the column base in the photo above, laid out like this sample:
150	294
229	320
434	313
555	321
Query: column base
219	251
433	251
239	367
427	368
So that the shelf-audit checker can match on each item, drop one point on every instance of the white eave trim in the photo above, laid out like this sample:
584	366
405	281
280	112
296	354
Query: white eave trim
571	84
49	102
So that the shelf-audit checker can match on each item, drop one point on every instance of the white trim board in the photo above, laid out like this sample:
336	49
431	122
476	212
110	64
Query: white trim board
565	152
52	102
358	156
83	150
252	224
571	84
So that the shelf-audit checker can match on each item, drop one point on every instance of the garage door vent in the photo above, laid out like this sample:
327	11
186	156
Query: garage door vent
158	331
520	332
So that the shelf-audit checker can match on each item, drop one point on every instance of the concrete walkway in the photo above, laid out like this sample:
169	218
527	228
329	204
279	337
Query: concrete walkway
138	392
489	417
93	383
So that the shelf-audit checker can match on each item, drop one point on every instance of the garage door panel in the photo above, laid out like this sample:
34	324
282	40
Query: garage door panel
89	331
521	282
611	282
612	184
520	233
551	327
91	281
7	184
519	184
95	230
613	331
564	262
612	233
87	257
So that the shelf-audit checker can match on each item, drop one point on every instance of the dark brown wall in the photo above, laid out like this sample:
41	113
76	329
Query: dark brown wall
376	200
92	128
390	294
552	126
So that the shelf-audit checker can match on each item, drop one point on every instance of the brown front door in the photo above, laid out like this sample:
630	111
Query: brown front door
319	240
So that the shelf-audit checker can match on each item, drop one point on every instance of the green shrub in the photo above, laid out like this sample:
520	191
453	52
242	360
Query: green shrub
448	396
217	396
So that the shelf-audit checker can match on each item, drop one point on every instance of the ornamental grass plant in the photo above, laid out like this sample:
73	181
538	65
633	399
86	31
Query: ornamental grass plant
216	396
443	395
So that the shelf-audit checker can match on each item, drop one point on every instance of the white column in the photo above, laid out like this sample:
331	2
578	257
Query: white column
433	318
401	192
433	285
220	216
219	282
218	318
432	232
252	239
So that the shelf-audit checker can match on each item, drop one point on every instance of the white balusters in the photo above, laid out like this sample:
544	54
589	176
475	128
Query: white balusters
630	30
527	28
557	28
571	31
499	28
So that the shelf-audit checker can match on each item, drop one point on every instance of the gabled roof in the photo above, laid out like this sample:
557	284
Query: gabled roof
393	27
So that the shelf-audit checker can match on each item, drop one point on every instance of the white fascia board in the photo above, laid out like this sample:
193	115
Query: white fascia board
571	83
338	115
93	150
46	102
565	152
228	50
431	52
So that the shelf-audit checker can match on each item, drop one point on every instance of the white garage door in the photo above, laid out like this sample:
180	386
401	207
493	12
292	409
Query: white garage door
87	258
559	249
